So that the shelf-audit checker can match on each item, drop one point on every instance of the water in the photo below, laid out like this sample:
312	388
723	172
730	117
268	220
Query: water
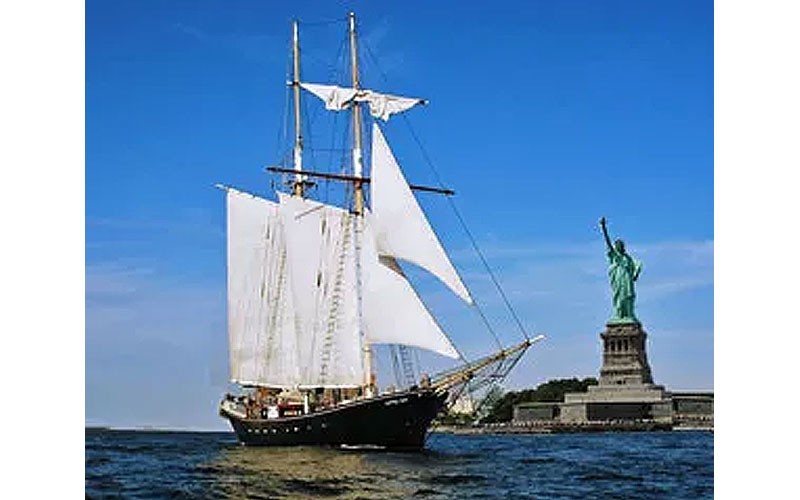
128	464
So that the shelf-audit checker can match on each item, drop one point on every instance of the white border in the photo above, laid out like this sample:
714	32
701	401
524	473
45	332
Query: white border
42	369
756	134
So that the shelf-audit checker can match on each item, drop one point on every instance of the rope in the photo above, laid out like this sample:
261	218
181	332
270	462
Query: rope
461	221
469	234
282	135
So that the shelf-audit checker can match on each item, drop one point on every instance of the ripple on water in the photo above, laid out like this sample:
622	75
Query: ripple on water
457	478
329	487
642	465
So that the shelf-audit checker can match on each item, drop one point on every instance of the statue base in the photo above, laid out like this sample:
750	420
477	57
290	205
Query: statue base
626	390
625	355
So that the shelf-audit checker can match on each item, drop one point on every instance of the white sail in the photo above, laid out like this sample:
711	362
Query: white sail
380	105
262	338
393	313
335	98
401	228
321	242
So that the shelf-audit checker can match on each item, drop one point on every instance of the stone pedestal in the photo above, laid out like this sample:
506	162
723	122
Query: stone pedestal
626	390
625	355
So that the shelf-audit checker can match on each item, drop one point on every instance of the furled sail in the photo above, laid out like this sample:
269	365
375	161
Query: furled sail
380	105
261	334
401	228
321	244
386	289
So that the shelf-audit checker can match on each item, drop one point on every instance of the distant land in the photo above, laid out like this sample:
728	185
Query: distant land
148	428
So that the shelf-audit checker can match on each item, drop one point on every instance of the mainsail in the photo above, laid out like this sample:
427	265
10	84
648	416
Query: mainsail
325	244
402	230
321	243
380	105
262	339
293	303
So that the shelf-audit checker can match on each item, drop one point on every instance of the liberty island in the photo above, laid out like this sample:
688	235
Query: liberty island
626	397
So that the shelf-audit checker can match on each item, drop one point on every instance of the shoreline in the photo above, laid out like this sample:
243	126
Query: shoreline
570	428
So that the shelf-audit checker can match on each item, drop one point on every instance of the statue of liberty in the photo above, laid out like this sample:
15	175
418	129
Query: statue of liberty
623	271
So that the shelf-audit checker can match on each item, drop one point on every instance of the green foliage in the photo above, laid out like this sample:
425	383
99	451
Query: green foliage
456	419
551	391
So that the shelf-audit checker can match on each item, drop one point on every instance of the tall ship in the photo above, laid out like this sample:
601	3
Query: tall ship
314	288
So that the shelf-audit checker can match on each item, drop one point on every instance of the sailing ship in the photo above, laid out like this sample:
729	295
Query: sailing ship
313	287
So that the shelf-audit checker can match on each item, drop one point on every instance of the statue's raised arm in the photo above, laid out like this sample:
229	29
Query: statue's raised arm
605	234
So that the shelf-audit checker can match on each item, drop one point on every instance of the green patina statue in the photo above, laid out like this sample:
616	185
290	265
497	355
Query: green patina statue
623	271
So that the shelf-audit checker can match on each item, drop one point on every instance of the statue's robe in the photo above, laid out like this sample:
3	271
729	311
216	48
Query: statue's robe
623	270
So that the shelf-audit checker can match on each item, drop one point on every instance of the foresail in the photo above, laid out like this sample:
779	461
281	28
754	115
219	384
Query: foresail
401	228
380	105
261	334
321	242
393	313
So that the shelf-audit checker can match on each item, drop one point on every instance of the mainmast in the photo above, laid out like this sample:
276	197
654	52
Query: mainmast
357	140
298	184
358	187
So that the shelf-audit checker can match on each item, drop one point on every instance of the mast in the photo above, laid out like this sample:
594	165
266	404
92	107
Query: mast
358	189
357	140
297	185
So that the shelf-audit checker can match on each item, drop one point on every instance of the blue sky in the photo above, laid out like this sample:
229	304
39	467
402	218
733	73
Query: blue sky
543	116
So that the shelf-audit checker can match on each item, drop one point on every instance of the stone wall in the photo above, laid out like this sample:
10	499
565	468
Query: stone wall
693	409
526	412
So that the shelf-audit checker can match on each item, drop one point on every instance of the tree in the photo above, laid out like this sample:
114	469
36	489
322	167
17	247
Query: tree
551	391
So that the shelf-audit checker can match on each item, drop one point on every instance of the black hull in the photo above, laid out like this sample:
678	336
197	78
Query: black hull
396	421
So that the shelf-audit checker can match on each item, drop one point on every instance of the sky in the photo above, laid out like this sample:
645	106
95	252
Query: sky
543	116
